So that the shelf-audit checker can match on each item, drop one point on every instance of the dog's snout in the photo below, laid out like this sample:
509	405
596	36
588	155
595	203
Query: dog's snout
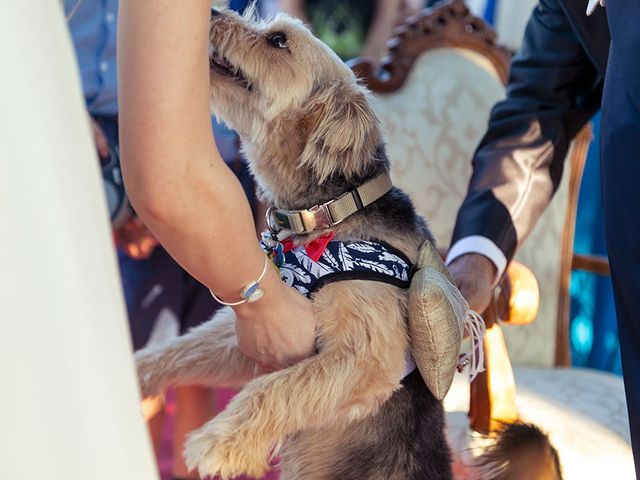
214	12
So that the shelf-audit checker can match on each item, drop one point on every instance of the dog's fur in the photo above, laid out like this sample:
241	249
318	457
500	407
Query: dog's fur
310	135
522	452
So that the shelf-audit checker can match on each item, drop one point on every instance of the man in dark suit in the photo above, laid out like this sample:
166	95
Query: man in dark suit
570	65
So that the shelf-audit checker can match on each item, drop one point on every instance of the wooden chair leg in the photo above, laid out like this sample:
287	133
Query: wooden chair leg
493	393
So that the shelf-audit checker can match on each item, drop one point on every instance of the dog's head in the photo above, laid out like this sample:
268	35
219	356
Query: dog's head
300	113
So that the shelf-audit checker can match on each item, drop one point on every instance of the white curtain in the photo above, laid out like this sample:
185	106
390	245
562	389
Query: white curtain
69	404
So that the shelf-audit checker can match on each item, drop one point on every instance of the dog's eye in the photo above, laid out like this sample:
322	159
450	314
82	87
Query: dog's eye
277	40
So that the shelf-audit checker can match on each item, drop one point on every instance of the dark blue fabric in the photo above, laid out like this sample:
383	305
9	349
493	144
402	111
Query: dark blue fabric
624	16
349	260
156	285
239	5
490	11
92	25
620	137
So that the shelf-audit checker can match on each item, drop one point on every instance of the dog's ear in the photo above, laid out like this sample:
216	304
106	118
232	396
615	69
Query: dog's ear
342	131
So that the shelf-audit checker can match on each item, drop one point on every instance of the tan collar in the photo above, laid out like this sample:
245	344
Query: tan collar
330	213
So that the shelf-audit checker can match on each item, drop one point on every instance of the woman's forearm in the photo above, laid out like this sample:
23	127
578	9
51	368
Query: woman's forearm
174	175
385	19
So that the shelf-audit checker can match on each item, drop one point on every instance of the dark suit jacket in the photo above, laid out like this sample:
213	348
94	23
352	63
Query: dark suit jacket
555	86
557	82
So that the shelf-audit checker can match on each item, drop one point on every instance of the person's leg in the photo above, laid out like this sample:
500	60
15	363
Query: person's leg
625	272
620	175
627	307
153	411
194	407
152	289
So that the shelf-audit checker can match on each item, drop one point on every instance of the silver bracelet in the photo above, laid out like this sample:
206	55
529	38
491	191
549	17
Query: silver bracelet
251	293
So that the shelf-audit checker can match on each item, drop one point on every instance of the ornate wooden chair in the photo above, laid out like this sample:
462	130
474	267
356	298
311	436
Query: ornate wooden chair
433	94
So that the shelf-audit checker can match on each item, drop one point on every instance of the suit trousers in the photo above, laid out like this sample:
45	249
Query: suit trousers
620	163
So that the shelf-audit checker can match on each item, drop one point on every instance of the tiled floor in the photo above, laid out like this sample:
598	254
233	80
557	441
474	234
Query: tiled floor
222	398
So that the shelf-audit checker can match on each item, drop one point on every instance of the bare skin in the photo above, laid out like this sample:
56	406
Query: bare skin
179	184
475	276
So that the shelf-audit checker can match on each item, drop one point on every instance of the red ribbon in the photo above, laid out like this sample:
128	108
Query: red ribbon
314	248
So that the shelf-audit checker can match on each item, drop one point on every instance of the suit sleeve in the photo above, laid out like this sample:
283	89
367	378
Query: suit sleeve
553	90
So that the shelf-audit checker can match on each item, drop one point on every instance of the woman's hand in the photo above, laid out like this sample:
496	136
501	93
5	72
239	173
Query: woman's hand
279	329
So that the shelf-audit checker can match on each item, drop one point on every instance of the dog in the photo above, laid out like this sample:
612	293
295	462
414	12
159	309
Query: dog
354	411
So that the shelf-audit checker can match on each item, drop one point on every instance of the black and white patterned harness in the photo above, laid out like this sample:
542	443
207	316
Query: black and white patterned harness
345	260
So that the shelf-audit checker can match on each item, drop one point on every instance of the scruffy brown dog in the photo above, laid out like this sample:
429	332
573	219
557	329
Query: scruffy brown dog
310	135
347	413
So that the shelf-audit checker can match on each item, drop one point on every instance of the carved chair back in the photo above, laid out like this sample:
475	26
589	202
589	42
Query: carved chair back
434	93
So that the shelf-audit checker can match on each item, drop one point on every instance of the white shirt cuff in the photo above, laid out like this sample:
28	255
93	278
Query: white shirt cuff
481	245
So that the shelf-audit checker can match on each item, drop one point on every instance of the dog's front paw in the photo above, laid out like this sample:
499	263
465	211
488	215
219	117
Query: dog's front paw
228	455
151	377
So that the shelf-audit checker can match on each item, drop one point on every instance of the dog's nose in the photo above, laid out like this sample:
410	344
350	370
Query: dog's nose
214	12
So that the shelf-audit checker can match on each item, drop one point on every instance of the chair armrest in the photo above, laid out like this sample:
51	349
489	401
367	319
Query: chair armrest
518	295
493	394
591	263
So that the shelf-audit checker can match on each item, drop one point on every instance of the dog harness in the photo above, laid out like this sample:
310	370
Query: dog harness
307	268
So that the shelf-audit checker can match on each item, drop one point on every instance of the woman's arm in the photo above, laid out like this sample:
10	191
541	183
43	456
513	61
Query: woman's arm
179	184
386	17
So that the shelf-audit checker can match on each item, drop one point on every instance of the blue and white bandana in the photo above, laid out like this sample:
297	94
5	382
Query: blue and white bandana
345	260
